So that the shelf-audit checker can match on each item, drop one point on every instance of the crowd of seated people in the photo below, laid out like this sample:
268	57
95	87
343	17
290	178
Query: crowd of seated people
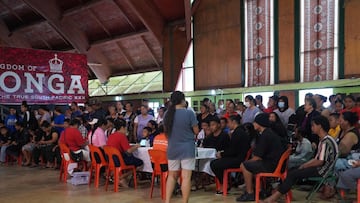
231	128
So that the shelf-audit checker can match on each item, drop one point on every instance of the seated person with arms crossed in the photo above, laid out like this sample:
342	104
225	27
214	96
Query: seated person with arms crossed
233	155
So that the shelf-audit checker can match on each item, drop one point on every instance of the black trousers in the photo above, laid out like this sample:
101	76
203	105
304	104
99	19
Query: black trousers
218	166
13	150
44	151
297	174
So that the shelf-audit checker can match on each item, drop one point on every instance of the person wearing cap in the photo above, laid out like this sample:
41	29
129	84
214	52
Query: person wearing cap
272	104
267	152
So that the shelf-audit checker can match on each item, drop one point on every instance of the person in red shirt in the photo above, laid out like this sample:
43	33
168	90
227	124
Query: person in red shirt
119	140
72	137
230	110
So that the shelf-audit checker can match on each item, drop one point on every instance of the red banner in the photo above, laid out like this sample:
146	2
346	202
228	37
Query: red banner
42	77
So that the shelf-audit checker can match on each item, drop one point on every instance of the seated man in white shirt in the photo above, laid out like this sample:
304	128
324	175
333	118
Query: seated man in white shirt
303	152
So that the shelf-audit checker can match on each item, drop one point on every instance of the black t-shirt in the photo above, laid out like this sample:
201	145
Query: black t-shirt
49	136
269	148
239	145
200	119
21	137
5	138
220	142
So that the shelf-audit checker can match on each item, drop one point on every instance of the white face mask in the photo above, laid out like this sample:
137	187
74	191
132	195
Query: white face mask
221	106
247	104
281	104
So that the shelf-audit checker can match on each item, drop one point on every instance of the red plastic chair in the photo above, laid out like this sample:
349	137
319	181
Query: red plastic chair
96	164
158	158
18	159
284	159
342	192
228	171
64	149
112	153
64	163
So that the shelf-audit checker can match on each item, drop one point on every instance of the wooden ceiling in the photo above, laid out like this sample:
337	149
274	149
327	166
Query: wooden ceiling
118	36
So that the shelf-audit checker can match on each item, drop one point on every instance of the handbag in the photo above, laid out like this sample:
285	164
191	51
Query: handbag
77	157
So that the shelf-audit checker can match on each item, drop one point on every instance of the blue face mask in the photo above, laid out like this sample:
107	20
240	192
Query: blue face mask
281	104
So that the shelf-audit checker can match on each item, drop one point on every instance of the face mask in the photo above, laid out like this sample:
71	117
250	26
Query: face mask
221	106
281	104
247	104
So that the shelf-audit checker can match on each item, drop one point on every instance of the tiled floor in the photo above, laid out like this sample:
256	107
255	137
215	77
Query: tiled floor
20	184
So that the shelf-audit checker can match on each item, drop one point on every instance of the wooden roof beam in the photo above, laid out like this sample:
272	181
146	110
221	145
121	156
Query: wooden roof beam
11	11
188	16
148	14
118	38
96	18
124	16
127	58
11	39
66	28
150	51
83	7
195	6
68	12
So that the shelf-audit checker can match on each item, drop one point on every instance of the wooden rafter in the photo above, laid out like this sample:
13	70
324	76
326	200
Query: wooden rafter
195	6
118	38
83	7
123	15
127	58
150	51
11	39
11	11
96	18
65	27
151	18
188	15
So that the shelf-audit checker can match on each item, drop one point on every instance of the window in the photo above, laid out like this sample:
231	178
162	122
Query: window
259	43
127	84
155	106
186	78
319	40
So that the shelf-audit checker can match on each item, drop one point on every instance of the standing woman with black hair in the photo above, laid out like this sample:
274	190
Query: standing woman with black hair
180	128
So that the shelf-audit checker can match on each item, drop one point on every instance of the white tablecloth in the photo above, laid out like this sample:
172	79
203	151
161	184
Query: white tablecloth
142	153
204	157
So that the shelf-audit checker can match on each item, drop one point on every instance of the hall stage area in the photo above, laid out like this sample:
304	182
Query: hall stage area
22	184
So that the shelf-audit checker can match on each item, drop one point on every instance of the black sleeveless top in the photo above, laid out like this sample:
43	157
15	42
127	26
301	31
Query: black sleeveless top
48	137
356	132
